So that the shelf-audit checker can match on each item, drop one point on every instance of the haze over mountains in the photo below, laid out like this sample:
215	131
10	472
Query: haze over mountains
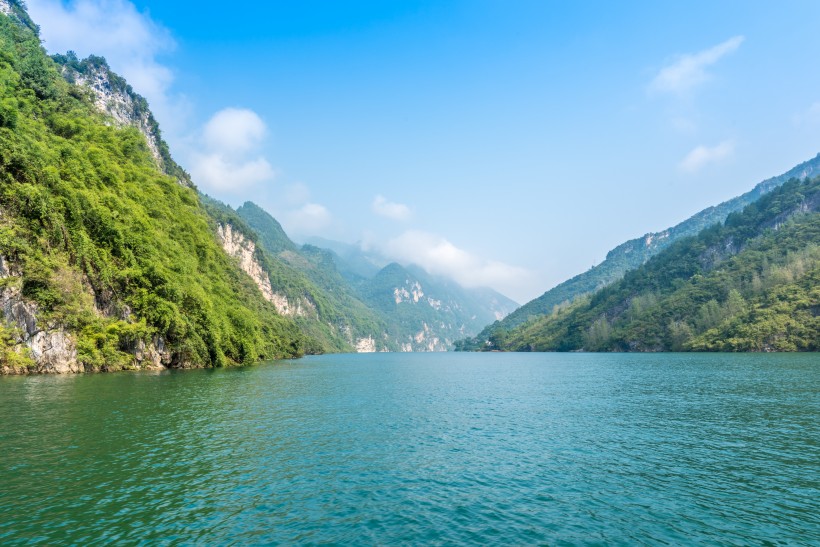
631	255
110	257
132	267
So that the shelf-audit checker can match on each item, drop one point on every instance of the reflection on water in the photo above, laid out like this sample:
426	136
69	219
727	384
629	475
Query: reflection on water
466	448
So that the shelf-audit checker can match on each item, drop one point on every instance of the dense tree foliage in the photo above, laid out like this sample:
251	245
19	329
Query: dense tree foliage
109	247
750	284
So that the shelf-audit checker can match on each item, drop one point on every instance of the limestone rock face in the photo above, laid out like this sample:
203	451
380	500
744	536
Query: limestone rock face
52	348
122	107
244	250
366	345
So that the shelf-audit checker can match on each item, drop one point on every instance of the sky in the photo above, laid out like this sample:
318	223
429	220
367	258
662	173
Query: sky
509	143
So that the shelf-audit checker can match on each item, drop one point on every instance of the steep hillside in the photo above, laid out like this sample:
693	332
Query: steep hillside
302	284
293	296
270	232
105	261
401	308
630	255
428	313
750	284
113	96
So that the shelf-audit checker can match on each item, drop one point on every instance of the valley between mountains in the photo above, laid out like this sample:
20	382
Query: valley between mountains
112	259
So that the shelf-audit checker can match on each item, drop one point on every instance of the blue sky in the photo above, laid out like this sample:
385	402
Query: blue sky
505	143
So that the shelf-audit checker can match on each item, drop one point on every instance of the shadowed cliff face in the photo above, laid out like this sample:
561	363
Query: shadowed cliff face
50	347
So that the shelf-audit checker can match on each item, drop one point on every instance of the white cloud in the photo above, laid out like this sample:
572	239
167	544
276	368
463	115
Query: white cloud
129	40
216	172
700	156
234	131
388	209
689	71
440	257
310	219
226	161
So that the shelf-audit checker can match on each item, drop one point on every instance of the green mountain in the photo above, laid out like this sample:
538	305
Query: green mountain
270	232
428	313
305	285
106	261
749	284
629	256
113	96
393	308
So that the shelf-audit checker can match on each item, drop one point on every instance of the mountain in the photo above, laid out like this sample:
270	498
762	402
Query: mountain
108	258
428	313
398	308
113	96
629	256
299	285
270	232
749	284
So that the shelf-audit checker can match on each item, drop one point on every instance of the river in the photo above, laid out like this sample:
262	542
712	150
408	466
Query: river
420	449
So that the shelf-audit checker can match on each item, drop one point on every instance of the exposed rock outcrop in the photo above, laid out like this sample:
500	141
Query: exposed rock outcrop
113	97
237	245
51	348
122	107
366	345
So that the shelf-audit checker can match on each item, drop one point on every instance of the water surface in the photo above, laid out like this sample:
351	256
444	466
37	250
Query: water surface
420	448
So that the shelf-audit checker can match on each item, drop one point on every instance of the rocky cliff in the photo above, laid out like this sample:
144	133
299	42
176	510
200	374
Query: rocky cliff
243	249
122	106
106	262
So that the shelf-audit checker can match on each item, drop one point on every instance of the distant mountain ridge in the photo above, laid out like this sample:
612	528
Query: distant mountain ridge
631	254
751	283
405	308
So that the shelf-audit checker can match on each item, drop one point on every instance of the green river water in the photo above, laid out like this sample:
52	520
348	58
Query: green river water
445	448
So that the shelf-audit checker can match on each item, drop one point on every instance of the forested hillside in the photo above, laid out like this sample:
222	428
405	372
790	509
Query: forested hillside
305	285
395	307
107	262
749	284
629	256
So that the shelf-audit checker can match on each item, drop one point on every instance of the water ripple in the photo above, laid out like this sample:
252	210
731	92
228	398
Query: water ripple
420	449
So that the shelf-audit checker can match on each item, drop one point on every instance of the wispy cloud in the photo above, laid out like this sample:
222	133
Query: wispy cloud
309	219
689	71
439	256
228	160
700	156
129	40
389	209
